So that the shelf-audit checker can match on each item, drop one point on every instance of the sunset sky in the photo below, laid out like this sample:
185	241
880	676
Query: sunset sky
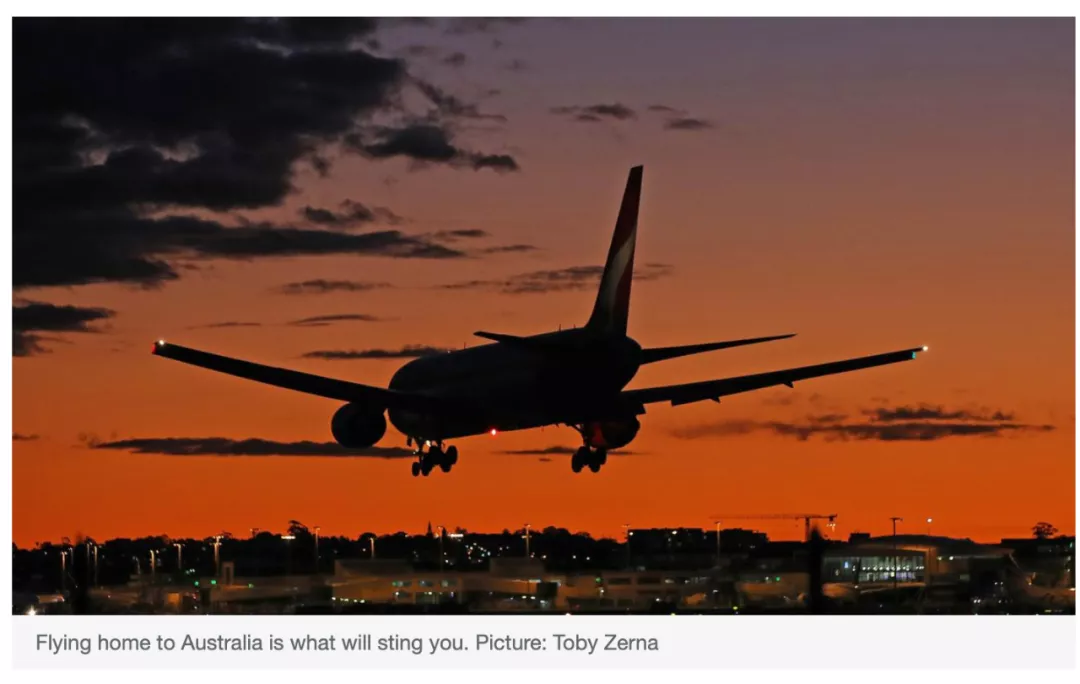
871	185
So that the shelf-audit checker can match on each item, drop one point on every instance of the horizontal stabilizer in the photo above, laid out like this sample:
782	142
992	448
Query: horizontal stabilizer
500	337
664	353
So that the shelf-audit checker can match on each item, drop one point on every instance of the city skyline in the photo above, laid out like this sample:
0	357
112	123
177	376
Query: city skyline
862	183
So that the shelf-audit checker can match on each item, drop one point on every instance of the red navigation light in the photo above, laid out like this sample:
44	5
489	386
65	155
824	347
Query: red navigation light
494	432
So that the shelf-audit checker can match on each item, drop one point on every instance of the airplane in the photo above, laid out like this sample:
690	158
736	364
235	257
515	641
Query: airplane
574	377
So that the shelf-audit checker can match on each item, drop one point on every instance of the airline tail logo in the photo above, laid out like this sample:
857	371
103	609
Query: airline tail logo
612	306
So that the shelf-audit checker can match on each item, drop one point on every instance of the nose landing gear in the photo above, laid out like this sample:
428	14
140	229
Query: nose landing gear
435	457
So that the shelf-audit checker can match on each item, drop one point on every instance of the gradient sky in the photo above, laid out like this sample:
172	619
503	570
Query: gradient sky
871	185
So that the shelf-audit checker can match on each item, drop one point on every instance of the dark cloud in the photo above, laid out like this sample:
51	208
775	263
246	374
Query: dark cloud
24	438
29	318
455	59
928	412
509	249
516	65
451	107
409	351
227	324
425	143
558	449
122	257
556	280
897	425
121	127
687	123
454	235
319	321
664	109
223	446
352	213
321	286
466	25
597	112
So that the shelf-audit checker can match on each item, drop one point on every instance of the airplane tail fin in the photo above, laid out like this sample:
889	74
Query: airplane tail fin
612	306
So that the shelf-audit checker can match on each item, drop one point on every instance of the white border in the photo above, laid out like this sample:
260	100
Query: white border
986	642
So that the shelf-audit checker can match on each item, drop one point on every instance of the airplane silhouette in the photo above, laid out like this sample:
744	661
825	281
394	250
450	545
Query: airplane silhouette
571	377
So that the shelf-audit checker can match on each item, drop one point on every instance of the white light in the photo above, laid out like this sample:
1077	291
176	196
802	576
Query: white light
925	348
161	343
31	611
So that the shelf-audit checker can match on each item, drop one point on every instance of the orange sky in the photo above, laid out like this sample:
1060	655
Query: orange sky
870	190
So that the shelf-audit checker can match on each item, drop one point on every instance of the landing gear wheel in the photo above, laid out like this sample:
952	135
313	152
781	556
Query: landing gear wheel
425	467
579	459
415	468
600	456
451	455
594	466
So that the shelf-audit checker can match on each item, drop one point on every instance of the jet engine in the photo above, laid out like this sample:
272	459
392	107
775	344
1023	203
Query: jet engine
356	426
611	434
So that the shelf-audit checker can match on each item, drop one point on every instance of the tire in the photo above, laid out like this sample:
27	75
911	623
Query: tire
451	455
415	469
444	466
601	456
578	460
594	466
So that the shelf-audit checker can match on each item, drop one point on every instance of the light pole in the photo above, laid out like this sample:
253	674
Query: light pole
63	569
718	543
254	531
441	560
153	565
372	540
527	526
896	558
217	556
627	534
95	564
317	549
288	553
929	521
179	557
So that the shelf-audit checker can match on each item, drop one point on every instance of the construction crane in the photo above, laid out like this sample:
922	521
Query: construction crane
806	517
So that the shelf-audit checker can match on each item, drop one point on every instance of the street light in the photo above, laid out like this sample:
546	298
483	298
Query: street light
217	555
929	521
372	540
896	558
317	528
627	534
179	557
527	526
718	543
288	552
441	560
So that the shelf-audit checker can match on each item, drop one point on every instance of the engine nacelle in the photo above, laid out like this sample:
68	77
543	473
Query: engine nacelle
611	434
356	426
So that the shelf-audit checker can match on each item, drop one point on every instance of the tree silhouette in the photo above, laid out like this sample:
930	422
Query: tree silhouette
1043	530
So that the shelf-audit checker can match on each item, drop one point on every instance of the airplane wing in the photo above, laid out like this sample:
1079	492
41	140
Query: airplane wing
307	383
655	354
714	389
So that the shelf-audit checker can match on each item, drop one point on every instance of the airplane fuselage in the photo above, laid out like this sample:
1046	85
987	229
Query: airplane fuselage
570	376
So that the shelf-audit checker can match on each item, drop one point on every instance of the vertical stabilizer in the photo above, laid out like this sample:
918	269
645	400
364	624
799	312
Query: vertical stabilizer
613	300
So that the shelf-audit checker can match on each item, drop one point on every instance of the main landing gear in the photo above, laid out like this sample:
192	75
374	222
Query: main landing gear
435	457
587	456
